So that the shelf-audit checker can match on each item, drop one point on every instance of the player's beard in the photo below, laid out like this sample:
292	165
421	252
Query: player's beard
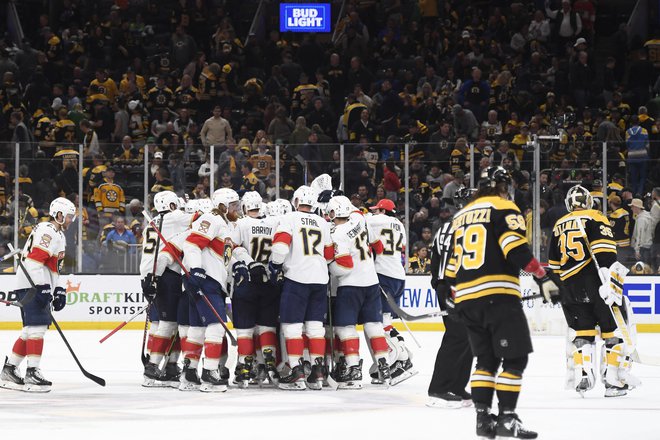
231	216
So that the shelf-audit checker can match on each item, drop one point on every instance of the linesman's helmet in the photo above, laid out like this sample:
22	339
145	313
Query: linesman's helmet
492	176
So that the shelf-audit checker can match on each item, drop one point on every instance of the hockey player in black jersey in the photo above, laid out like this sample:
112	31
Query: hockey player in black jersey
489	250
579	237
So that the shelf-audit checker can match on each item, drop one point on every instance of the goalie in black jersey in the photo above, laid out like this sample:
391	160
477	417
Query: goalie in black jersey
489	250
583	251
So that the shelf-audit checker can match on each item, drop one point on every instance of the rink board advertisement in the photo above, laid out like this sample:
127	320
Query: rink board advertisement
104	301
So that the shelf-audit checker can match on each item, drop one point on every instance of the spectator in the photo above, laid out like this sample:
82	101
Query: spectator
426	239
163	182
452	187
216	129
465	124
474	95
419	263
126	155
90	140
566	23
642	237
261	160
21	136
118	242
109	198
637	144
280	127
134	212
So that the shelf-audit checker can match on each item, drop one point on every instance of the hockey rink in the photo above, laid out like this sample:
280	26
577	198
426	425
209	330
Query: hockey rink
78	408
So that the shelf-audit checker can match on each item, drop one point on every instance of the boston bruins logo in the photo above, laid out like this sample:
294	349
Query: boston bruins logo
185	98
160	99
111	195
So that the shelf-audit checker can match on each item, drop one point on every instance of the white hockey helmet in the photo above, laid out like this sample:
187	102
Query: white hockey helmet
63	205
321	183
279	208
578	197
339	207
199	205
224	196
251	200
304	196
163	201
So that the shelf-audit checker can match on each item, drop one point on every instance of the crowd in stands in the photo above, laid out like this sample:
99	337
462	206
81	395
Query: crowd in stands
171	79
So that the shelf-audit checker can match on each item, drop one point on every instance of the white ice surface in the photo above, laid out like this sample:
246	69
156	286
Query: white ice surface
77	408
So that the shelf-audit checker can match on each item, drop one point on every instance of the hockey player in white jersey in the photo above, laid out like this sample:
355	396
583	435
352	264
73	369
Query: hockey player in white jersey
392	278
41	256
358	294
255	302
205	251
302	249
164	286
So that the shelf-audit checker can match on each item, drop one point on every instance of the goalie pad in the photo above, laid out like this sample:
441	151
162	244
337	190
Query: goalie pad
617	366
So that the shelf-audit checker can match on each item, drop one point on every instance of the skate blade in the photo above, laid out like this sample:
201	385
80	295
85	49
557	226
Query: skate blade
331	383
208	388
316	386
12	386
243	384
618	393
171	384
467	403
31	388
443	404
350	386
153	383
295	386
403	376
186	386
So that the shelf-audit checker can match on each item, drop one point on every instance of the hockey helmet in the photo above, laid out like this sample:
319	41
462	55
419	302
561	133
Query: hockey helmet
578	197
251	200
463	196
279	207
224	196
339	207
64	206
304	196
163	201
494	175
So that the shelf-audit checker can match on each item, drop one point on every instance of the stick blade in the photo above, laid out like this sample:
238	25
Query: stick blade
93	378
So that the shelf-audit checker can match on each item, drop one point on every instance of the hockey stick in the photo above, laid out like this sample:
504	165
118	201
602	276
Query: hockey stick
187	273
123	324
405	315
410	333
616	313
87	374
331	380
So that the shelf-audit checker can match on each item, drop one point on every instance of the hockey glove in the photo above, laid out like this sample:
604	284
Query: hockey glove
149	288
197	278
276	274
59	299
258	272
434	282
548	285
240	273
42	297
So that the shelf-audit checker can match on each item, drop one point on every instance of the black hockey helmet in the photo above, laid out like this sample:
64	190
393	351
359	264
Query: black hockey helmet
493	175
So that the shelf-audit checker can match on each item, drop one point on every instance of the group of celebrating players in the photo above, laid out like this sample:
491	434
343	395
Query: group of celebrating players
302	276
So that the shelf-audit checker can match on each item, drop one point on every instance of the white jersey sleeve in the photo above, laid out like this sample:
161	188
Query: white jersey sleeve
304	245
353	236
41	255
205	246
393	238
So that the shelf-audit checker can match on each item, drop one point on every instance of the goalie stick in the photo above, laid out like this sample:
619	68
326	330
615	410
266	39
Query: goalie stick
86	373
231	337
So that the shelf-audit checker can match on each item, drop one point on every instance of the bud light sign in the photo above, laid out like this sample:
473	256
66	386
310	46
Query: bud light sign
297	17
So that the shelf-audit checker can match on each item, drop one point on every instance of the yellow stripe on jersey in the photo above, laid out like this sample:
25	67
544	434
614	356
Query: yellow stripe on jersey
494	291
511	240
623	243
606	335
565	274
487	279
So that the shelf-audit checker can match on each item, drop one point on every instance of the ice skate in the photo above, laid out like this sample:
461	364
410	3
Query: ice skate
295	380
466	399
446	400
212	382
35	382
10	379
485	424
384	375
402	370
243	373
614	391
189	377
315	378
172	375
271	366
349	378
510	426
152	376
